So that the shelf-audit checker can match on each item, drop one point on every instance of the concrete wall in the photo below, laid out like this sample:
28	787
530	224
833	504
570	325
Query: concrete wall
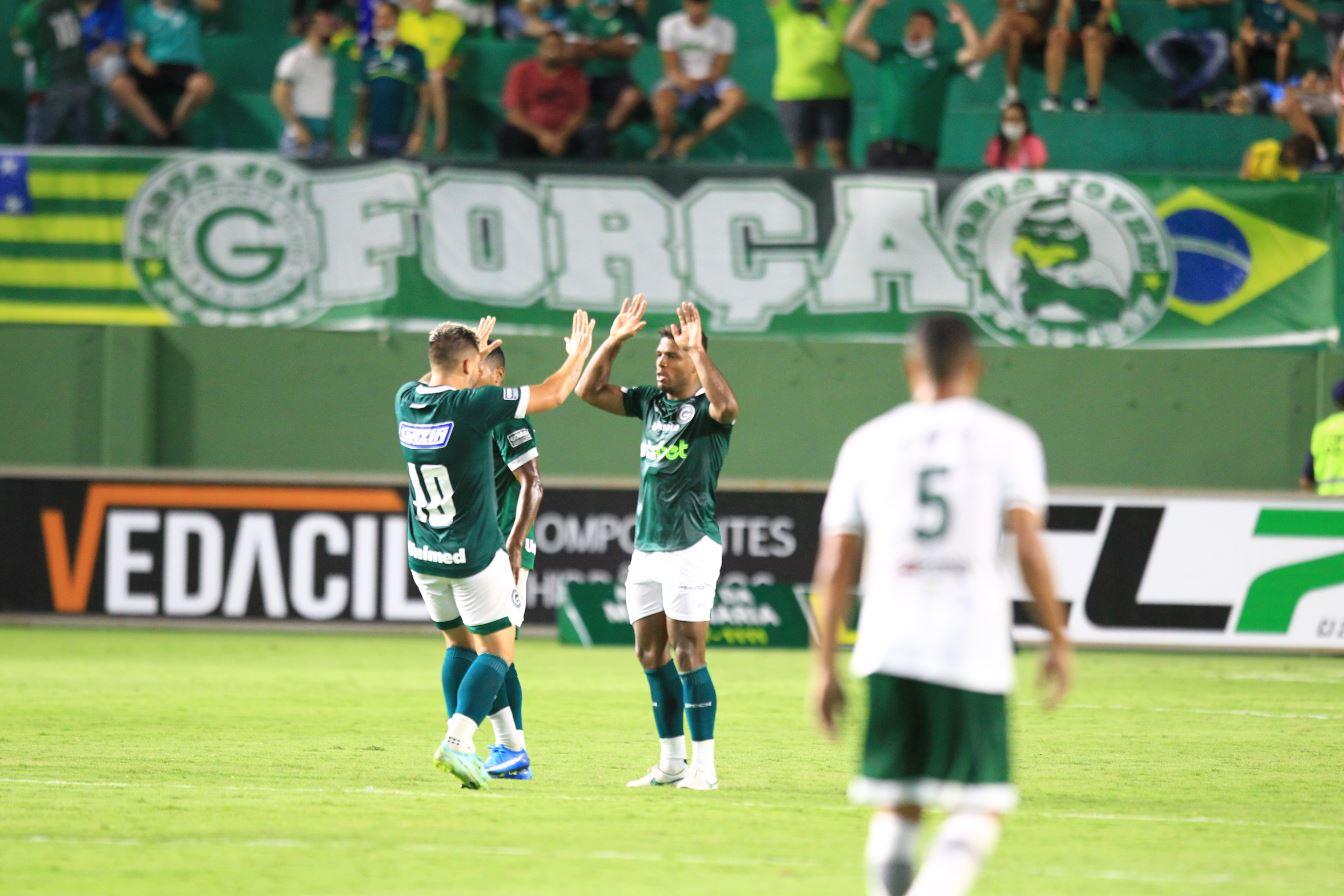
321	402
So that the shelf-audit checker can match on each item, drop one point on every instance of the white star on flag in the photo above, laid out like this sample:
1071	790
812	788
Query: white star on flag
9	165
13	204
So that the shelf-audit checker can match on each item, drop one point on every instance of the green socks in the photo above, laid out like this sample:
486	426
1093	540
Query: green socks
667	700
697	691
480	686
510	696
456	662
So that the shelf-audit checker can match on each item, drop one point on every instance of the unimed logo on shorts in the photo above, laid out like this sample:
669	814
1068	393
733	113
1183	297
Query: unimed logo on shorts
147	549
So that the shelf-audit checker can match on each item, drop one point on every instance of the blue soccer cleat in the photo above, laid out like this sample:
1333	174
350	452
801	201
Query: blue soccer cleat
466	767
505	763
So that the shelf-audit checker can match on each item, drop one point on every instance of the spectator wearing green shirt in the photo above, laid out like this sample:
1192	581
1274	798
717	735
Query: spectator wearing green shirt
1267	27
912	80
603	37
1201	28
49	33
393	103
166	60
811	89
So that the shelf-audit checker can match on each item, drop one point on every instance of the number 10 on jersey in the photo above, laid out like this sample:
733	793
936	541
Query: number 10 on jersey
432	491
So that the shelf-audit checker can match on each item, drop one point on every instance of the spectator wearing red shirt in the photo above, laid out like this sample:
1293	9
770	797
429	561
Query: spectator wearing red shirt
545	107
1015	147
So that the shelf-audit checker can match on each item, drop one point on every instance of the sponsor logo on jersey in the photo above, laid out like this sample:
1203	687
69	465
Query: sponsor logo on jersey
221	240
1061	258
429	555
519	437
686	414
658	453
424	435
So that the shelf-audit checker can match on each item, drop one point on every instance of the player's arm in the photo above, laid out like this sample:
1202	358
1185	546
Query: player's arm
857	36
529	504
1026	525
551	392
595	385
833	582
690	338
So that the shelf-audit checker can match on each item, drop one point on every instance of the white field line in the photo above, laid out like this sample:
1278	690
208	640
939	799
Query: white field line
1136	877
455	847
434	793
1288	677
1194	710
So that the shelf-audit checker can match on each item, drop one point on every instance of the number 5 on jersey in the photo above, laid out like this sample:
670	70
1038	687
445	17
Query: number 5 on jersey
432	492
931	502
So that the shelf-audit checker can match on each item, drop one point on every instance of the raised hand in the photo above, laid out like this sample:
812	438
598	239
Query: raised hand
483	343
688	334
630	319
956	13
579	342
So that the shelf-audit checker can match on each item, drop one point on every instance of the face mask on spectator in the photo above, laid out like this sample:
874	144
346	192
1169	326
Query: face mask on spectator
918	48
1013	130
385	36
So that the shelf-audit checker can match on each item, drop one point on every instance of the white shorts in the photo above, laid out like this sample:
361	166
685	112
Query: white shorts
681	584
480	601
522	591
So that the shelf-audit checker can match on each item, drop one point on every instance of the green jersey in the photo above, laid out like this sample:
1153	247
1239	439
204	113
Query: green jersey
515	445
452	523
680	457
52	31
581	24
393	78
912	94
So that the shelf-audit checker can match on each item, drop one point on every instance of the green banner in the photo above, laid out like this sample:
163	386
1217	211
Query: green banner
592	614
1053	258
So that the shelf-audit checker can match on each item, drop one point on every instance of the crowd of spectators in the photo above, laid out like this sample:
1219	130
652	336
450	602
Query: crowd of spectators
143	62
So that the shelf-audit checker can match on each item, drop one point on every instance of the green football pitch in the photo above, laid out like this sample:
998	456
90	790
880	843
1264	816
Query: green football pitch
239	762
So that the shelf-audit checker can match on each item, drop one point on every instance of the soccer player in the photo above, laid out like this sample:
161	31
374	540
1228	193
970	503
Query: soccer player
445	423
920	500
688	418
518	494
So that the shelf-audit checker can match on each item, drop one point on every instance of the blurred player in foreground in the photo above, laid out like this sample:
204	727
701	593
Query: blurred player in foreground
518	495
688	418
919	502
445	423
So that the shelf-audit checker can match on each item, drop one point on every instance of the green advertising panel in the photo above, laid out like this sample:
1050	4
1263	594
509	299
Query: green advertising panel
593	613
1051	258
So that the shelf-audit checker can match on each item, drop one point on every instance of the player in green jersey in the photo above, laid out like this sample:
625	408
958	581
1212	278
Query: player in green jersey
669	592
518	496
445	423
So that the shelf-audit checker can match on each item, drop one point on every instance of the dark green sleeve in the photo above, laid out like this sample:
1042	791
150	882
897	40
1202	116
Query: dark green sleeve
489	406
515	439
636	399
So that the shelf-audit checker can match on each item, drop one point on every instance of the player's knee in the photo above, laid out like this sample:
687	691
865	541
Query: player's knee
650	656
689	656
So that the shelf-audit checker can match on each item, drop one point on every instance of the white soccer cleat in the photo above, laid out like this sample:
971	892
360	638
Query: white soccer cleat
659	778
699	778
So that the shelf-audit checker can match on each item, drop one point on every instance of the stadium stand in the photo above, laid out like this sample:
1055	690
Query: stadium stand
1134	131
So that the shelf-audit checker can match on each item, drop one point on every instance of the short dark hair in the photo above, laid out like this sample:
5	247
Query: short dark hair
449	343
926	13
495	358
1298	151
668	332
946	343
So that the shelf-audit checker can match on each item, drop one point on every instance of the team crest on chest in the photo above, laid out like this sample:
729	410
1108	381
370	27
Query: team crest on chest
685	414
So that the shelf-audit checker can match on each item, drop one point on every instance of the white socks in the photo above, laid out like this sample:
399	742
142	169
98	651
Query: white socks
507	733
890	854
460	732
672	753
702	755
953	861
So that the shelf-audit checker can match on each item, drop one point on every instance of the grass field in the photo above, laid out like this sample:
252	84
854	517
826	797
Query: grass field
169	761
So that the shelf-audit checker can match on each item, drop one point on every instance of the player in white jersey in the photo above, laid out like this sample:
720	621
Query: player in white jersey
916	513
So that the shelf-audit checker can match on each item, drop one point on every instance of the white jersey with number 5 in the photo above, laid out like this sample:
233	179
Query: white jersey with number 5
927	487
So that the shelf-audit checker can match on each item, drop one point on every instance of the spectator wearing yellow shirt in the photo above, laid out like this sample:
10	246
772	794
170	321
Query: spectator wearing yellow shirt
1274	160
435	34
811	88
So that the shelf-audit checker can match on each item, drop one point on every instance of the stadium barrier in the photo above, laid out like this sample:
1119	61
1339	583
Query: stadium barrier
1051	258
1164	570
